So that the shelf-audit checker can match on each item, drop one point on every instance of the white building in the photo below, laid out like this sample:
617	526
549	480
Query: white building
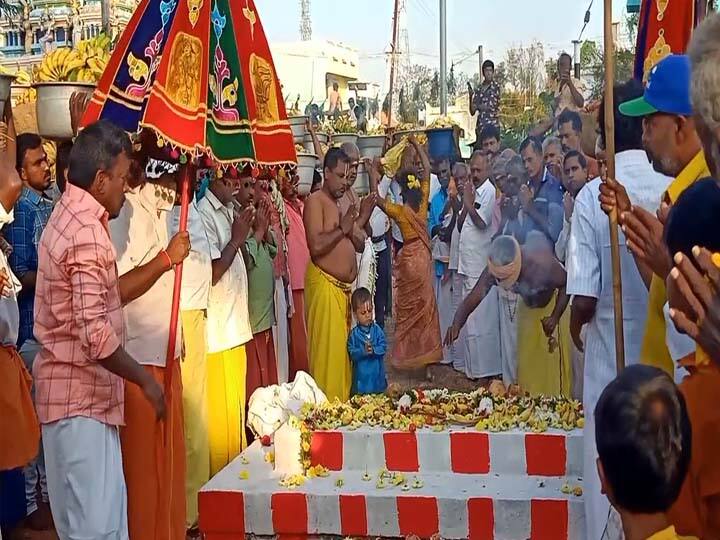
308	69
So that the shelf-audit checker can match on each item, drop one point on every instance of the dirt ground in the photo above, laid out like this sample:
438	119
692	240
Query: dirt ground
440	377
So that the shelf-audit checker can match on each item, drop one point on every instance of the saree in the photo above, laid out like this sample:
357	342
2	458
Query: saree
327	315
417	330
539	370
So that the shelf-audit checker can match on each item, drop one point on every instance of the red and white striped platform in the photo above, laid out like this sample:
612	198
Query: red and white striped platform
484	486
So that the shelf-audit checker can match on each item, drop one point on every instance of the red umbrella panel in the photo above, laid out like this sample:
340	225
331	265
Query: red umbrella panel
200	74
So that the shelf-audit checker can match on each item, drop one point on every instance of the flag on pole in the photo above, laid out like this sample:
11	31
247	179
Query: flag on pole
664	28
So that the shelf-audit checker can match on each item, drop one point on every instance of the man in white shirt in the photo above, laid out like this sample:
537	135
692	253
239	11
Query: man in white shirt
460	174
482	349
228	321
589	280
145	258
194	295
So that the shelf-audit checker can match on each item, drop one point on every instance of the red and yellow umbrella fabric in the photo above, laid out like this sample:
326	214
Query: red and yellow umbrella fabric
198	73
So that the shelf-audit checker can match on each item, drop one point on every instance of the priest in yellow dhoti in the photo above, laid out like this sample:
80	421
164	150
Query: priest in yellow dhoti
327	312
532	271
332	243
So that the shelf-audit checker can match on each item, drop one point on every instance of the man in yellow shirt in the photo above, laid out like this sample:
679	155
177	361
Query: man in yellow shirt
643	438
673	146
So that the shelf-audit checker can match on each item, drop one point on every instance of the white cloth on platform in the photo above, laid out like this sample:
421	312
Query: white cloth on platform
508	309
589	271
280	332
85	479
482	342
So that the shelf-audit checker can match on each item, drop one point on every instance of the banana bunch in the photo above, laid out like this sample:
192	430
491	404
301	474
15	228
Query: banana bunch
28	96
344	125
442	122
59	65
51	153
84	63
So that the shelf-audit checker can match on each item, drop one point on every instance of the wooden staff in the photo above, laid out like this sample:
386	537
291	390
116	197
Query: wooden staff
610	162
185	173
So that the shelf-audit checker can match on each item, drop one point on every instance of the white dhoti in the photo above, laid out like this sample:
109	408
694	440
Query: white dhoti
597	506
367	268
85	479
457	350
482	346
443	298
507	307
280	332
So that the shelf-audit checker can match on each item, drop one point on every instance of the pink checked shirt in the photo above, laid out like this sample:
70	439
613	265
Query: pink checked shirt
78	314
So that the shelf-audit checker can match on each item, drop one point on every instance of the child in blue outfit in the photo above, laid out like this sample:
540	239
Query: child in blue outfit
367	347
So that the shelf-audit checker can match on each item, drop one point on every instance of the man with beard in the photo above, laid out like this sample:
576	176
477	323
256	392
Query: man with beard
32	212
570	128
330	274
672	144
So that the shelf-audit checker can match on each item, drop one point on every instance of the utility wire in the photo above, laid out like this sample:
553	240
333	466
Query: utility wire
586	20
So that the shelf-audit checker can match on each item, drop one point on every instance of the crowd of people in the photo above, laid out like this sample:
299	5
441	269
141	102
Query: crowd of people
499	267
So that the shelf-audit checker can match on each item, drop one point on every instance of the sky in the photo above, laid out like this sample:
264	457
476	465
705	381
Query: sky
496	24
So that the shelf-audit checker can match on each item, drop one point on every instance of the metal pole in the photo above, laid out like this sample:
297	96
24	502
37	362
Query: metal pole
443	57
105	16
393	59
480	62
610	162
576	57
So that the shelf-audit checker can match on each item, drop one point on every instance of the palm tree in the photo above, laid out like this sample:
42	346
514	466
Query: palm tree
8	8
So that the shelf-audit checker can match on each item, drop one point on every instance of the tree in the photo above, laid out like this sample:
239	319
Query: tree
524	69
9	9
592	65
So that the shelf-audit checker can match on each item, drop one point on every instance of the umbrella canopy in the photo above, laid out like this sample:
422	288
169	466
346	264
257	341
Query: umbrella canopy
199	73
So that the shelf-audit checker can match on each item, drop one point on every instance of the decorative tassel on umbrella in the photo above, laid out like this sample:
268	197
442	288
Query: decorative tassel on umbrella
199	74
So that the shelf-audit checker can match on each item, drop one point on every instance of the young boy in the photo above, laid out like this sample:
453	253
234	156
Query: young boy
366	347
643	440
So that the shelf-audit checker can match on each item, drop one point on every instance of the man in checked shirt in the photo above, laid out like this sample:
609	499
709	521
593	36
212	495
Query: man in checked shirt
81	369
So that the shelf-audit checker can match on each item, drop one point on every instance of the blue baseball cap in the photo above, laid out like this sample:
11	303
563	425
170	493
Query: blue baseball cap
667	90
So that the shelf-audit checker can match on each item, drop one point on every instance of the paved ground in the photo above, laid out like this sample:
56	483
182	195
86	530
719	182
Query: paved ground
442	377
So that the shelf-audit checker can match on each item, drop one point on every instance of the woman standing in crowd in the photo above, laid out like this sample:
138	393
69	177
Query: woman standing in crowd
417	331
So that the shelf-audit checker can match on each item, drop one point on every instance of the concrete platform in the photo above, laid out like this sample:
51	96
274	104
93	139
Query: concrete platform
490	506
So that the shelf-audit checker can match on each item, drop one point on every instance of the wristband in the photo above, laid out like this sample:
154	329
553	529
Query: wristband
169	260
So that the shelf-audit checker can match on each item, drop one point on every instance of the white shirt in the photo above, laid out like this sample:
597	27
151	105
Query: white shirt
197	267
379	222
454	246
9	313
138	234
228	322
589	269
562	241
474	242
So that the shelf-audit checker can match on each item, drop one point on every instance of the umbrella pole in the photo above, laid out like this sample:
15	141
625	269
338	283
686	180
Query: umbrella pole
610	161
174	313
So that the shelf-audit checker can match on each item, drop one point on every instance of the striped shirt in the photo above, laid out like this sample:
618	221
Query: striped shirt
32	212
78	316
589	269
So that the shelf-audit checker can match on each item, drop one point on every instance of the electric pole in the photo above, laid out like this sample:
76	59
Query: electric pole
443	57
480	62
393	59
105	16
576	57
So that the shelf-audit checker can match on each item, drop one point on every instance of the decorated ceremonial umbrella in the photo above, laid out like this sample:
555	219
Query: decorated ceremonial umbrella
199	74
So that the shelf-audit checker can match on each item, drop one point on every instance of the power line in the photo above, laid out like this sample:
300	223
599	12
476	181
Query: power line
586	20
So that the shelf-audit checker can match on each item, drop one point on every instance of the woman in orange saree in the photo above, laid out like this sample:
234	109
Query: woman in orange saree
417	326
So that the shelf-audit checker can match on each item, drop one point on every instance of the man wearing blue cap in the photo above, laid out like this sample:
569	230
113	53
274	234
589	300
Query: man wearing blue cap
673	146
